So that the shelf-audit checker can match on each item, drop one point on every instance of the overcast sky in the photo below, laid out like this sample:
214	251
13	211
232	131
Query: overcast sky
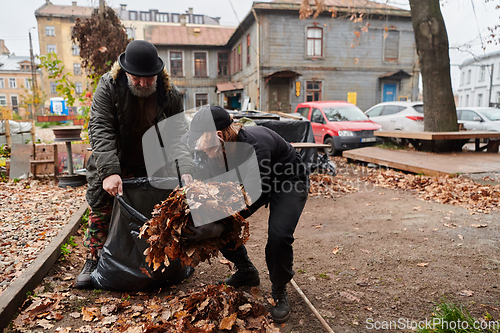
467	26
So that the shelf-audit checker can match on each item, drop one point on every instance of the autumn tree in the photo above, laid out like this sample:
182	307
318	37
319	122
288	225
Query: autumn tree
101	38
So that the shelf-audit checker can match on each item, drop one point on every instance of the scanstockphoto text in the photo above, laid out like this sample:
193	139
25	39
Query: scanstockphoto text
429	324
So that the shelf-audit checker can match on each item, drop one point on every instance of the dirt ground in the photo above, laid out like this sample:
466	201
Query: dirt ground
370	256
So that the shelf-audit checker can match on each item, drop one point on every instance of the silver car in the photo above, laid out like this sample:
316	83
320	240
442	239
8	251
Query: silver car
398	116
479	119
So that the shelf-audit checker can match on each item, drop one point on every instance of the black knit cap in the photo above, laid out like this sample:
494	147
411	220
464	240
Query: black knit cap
141	59
208	119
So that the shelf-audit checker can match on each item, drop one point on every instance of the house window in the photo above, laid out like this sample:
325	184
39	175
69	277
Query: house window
27	83
50	30
314	42
132	16
466	100
78	87
77	69
12	83
201	99
161	17
313	91
198	19
391	46
53	87
480	100
2	82
222	64
482	73
130	33
175	18
238	57
469	73
3	100
75	49
200	64
51	48
176	63
248	49
145	16
498	97
13	100
462	78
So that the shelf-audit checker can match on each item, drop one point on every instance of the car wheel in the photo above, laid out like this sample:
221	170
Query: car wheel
330	151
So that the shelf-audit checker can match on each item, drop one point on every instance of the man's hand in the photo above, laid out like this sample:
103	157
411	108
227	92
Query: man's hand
205	231
186	179
113	185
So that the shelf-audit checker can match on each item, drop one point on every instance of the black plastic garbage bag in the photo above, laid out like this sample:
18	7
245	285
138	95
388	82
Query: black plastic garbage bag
324	165
122	264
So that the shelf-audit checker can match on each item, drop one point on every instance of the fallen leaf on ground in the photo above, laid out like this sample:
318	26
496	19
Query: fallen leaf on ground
467	293
450	225
365	251
89	313
479	225
336	250
423	264
460	236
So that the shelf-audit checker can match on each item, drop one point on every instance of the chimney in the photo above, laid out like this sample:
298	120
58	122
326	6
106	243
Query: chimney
190	10
3	49
73	3
182	19
47	2
123	7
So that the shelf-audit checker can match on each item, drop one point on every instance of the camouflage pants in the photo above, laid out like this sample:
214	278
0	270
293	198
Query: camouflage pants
97	232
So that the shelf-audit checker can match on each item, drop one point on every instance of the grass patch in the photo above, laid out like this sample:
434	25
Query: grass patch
66	247
391	145
450	318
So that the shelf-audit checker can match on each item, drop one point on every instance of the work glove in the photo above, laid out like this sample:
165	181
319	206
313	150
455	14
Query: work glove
203	232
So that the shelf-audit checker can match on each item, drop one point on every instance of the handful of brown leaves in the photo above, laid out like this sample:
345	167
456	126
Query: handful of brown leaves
199	200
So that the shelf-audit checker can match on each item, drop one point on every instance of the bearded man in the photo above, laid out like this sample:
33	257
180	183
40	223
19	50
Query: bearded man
131	98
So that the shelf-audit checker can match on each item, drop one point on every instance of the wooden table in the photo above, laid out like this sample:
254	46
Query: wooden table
491	146
300	145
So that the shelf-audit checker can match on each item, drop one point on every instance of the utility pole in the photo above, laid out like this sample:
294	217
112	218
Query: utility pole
33	76
101	10
491	85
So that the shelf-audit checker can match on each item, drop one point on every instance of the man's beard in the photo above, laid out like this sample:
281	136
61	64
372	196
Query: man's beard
139	91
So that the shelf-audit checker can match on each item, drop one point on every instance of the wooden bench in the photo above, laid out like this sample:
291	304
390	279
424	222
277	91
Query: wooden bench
431	137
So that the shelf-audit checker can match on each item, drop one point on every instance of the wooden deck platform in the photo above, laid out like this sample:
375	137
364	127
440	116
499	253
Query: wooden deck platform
431	164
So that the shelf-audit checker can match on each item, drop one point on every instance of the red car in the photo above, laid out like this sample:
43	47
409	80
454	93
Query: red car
340	124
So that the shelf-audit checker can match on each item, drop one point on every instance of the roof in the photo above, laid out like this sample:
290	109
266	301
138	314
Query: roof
229	86
188	35
366	6
11	63
397	75
48	9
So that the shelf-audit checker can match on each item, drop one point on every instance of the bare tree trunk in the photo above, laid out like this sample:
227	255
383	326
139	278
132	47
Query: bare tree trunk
433	52
102	7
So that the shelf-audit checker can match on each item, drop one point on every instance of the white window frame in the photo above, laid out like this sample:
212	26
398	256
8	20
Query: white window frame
52	84
462	77
75	67
479	100
3	97
15	82
78	85
199	93
2	82
75	50
467	100
194	64
498	96
17	100
183	62
130	32
49	47
469	74
482	73
47	29
27	83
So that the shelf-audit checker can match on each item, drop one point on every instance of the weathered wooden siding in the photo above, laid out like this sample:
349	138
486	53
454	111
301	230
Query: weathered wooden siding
348	64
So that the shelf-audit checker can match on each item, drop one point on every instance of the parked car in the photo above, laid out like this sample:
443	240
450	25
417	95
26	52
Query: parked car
340	124
479	119
398	116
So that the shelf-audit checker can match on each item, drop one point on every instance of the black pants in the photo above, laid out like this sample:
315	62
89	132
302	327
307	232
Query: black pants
285	207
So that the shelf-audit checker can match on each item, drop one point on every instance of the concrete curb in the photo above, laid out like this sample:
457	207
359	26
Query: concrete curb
15	294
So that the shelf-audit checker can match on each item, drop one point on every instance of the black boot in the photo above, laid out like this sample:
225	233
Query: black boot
83	281
281	311
184	273
246	274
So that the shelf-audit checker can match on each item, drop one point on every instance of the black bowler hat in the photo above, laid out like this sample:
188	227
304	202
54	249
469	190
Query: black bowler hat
208	119
141	59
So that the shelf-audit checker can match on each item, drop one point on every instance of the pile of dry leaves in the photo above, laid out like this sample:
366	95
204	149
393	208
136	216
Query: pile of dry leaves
32	212
458	191
203	310
200	200
328	186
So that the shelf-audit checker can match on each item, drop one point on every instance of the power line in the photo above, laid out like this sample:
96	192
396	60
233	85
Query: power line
477	24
